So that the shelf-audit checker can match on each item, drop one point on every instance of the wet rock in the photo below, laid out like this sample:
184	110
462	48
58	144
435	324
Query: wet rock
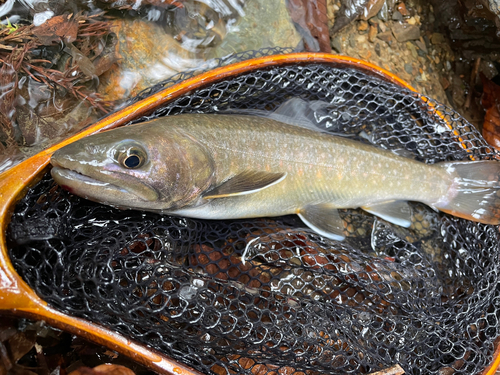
488	69
396	16
412	49
444	82
401	8
372	8
409	68
148	54
415	20
384	12
386	37
372	33
266	23
381	25
420	44
405	32
437	38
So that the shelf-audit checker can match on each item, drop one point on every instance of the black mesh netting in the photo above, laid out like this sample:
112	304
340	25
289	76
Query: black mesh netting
426	297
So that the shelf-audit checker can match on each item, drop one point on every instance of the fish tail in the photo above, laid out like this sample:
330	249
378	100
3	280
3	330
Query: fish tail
475	191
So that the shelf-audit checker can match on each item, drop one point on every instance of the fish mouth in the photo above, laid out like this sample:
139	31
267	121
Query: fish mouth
67	177
139	196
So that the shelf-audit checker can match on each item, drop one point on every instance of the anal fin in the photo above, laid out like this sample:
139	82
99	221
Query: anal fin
395	212
324	219
246	182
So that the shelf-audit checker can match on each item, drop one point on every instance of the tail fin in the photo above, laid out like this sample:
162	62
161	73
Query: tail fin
475	193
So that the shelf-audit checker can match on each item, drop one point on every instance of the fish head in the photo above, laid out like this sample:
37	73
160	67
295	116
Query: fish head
137	166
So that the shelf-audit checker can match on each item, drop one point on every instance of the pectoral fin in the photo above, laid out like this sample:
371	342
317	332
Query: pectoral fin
247	182
395	212
324	219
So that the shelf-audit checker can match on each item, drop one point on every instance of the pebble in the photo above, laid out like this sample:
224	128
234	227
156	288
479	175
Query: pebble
396	16
382	26
412	49
372	33
408	68
405	32
377	49
401	7
437	38
444	82
386	37
412	21
362	25
361	39
420	44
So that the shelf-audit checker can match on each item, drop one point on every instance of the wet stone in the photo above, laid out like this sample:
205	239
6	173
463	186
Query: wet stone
362	25
372	33
411	47
404	33
401	8
386	37
396	16
437	38
421	45
408	68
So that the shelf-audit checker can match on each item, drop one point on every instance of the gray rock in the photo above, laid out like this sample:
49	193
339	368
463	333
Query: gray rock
405	32
421	45
396	16
408	68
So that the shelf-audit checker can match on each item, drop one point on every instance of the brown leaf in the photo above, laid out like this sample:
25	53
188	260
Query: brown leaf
58	28
106	369
491	126
491	92
311	15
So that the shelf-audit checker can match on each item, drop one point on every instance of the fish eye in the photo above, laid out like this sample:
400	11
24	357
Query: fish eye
132	157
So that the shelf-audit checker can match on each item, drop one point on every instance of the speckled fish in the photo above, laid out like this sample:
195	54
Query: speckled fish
241	166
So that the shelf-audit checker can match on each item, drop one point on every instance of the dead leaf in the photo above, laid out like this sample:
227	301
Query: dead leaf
311	15
491	127
58	28
491	102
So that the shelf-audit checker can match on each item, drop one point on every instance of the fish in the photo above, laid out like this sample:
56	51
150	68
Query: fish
234	166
